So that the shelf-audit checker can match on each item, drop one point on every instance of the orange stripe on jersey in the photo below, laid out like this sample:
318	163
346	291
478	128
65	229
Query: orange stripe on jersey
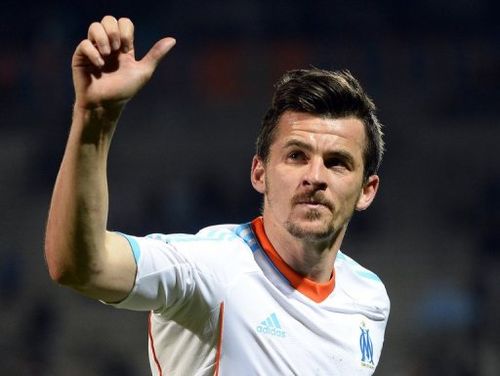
152	344
219	344
313	290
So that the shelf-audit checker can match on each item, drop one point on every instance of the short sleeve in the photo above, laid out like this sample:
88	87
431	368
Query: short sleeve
165	277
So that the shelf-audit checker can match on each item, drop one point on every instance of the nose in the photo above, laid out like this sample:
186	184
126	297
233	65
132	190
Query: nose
315	174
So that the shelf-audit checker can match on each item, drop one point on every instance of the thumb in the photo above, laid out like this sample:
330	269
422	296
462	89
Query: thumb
157	52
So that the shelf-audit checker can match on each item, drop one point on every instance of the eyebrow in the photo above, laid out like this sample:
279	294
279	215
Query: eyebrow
342	154
299	144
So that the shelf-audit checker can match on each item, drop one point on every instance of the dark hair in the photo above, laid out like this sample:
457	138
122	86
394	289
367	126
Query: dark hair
330	94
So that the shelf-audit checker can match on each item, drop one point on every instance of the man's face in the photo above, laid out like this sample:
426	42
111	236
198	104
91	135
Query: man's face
313	179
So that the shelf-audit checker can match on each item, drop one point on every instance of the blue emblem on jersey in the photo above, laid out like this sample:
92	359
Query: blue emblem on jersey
366	346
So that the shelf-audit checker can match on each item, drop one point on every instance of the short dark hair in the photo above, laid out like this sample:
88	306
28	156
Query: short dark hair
330	94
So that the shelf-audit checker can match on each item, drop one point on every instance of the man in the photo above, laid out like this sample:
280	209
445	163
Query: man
271	297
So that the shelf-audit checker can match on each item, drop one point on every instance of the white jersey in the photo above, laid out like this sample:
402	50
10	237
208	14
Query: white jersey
223	302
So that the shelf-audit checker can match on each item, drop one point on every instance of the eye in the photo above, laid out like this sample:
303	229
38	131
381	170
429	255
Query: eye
336	162
296	155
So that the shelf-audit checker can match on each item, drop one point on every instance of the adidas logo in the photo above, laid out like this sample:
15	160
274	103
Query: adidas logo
271	326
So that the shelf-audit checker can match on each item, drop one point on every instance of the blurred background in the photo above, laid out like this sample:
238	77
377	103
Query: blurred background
181	160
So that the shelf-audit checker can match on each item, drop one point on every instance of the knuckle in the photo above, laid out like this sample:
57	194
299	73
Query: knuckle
94	26
108	18
85	43
126	27
87	47
125	20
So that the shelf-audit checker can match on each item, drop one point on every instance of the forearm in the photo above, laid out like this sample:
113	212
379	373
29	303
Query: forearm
76	228
79	251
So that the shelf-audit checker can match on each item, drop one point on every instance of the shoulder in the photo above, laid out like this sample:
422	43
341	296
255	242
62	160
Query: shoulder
210	246
212	236
361	285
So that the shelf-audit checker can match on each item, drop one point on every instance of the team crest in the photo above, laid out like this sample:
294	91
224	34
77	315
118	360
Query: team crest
366	347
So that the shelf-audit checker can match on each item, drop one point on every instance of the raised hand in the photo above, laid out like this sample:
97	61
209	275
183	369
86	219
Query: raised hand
105	72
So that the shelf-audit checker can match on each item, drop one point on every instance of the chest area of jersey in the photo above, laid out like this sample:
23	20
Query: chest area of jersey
273	325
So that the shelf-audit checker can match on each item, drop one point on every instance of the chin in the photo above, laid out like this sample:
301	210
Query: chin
310	230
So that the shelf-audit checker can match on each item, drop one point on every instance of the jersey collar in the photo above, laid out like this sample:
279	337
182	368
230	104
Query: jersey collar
313	290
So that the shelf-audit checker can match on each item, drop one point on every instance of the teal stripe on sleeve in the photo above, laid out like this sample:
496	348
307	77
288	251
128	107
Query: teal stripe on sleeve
369	275
136	250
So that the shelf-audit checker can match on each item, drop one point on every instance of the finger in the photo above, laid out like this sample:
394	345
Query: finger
110	25
88	50
126	34
97	35
157	52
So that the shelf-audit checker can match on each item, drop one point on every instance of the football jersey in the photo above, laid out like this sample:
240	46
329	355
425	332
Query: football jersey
223	302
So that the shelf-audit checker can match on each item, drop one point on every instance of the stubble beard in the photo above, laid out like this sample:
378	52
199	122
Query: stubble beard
317	225
309	231
322	232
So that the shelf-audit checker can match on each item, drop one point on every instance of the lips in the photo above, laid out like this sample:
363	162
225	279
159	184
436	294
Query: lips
313	200
312	204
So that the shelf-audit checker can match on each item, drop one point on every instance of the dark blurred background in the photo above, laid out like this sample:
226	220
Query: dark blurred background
181	160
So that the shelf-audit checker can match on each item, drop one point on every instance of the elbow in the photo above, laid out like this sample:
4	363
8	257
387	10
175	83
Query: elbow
61	271
55	271
59	275
67	277
71	265
54	265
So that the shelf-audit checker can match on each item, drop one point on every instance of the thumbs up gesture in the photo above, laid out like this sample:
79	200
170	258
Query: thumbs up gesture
106	73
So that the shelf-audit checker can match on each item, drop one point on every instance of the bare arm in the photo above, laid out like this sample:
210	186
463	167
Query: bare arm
80	252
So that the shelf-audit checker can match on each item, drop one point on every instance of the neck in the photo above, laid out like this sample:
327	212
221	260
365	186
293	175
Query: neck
313	259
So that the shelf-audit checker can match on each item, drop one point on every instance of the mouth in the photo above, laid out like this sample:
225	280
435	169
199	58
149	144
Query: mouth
313	203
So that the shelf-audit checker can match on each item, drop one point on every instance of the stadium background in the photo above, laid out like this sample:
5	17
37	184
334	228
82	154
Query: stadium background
181	158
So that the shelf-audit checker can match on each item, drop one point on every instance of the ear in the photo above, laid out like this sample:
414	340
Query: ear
258	175
368	192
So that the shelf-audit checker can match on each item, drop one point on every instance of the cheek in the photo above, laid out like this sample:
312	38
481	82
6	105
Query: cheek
344	192
279	188
279	181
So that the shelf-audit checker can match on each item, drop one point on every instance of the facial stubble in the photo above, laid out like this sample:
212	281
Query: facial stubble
327	232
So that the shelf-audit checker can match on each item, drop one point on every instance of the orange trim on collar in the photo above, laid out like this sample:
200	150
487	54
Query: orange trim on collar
313	290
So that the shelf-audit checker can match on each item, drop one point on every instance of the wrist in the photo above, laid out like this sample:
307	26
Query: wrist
103	113
95	125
